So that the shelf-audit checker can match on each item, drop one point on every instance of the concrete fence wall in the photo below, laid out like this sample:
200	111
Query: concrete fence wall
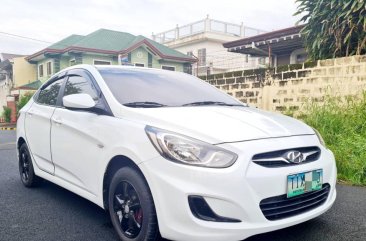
288	88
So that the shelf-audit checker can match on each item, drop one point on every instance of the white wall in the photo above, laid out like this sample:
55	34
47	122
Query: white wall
4	91
221	59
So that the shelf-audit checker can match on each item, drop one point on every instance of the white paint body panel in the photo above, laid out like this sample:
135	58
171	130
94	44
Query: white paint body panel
215	124
38	131
82	144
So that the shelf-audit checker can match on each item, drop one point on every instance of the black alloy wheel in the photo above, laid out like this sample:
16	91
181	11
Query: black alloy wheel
24	166
131	206
128	209
26	171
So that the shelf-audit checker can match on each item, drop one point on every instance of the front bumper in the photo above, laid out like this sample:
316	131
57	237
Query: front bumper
233	192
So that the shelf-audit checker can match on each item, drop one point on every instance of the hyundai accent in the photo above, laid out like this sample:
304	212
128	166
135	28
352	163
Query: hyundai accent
167	154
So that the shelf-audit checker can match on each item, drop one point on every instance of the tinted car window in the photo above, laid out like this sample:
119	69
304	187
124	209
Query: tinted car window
80	85
48	95
164	87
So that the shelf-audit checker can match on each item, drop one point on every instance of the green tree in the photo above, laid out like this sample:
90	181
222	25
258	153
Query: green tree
7	114
334	28
23	100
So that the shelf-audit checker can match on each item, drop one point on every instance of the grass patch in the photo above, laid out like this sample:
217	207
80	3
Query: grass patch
342	123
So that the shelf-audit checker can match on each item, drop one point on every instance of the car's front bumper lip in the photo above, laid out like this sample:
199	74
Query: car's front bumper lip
233	192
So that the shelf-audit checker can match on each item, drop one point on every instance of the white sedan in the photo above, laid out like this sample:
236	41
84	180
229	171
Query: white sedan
168	154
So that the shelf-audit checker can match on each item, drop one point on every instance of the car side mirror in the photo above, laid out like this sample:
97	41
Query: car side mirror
78	101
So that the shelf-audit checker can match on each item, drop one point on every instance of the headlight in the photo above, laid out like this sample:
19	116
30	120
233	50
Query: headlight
321	140
186	150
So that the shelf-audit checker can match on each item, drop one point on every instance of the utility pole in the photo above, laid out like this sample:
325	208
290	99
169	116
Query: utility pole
269	54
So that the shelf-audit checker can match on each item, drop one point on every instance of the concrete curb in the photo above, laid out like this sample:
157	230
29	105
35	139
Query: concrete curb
7	128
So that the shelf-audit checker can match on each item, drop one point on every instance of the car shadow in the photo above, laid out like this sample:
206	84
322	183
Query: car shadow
301	231
81	207
92	213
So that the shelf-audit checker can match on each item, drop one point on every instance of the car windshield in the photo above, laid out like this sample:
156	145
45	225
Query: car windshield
149	88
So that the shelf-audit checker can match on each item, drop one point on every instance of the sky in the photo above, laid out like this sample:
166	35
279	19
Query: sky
51	21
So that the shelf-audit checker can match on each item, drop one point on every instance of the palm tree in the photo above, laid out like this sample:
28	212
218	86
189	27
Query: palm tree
334	28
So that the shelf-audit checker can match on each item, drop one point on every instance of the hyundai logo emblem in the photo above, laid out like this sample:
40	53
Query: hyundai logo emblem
294	156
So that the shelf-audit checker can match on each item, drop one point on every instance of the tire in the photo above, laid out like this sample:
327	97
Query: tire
26	170
131	207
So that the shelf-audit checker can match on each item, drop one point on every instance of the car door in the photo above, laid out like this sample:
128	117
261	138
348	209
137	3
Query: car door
38	124
75	135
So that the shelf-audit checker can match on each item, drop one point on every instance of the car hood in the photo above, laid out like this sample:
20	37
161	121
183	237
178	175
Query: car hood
219	124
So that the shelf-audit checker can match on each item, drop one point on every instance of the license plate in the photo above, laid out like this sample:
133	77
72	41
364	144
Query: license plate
301	183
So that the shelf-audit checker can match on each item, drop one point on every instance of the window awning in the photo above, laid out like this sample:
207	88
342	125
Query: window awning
31	86
280	42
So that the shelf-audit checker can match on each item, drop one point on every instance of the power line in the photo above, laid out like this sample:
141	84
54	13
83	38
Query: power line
24	37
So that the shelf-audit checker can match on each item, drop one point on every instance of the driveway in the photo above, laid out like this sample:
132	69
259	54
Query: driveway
50	212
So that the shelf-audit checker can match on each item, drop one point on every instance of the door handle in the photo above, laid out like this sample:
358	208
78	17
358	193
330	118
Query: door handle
57	121
32	112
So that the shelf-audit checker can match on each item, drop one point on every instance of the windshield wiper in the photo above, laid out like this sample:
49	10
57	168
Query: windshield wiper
144	104
211	103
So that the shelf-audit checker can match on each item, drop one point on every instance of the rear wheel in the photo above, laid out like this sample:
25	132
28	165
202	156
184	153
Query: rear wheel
26	170
131	206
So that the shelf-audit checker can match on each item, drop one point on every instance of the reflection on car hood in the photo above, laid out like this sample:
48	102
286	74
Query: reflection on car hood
218	124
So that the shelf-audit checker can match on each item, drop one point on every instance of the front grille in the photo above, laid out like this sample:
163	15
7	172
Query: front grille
279	207
277	159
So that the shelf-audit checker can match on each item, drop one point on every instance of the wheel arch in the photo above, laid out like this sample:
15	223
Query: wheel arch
113	166
20	142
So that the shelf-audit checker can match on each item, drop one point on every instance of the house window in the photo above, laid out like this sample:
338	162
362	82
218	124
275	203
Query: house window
190	53
208	70
102	62
149	60
49	68
187	68
72	62
139	65
301	58
262	60
40	70
202	57
166	67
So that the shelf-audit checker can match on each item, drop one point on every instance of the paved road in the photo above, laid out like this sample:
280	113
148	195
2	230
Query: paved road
52	213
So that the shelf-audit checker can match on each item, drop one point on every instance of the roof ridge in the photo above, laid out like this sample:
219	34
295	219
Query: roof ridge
112	42
61	42
79	35
109	30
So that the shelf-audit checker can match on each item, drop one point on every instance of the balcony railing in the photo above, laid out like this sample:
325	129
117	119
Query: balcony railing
206	25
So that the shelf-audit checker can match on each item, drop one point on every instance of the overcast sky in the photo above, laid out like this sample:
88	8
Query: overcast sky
51	21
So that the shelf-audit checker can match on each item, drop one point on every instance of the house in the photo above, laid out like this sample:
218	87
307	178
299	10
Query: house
107	47
203	39
7	56
281	47
6	76
15	71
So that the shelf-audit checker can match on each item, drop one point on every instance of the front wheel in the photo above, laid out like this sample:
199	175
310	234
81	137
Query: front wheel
131	206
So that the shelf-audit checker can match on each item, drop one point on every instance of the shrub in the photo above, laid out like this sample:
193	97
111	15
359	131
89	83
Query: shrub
7	114
342	123
310	64
23	100
295	66
282	68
